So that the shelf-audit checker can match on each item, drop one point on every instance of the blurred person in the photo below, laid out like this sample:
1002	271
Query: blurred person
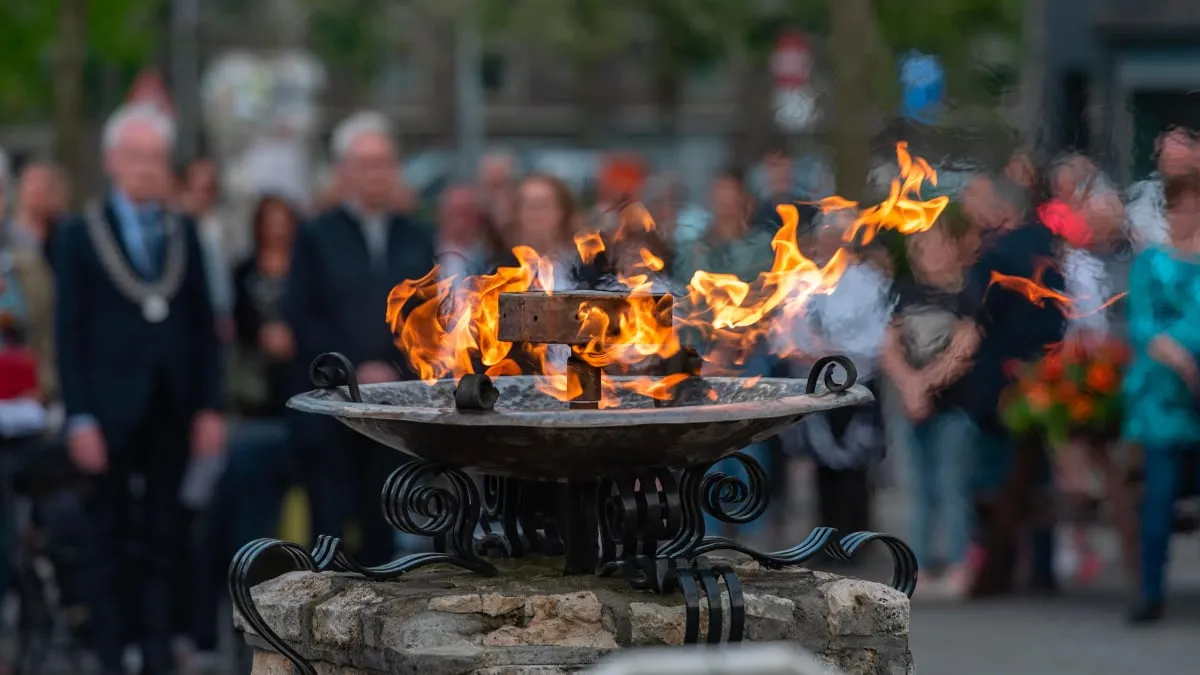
37	209
851	320
199	195
1014	330
927	354
621	179
1088	284
545	218
780	173
731	246
139	363
345	263
1070	180
1177	154
30	277
497	181
1022	170
666	202
1162	381
462	236
250	493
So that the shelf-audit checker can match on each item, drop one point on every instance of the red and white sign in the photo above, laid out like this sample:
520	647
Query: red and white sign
149	87
791	61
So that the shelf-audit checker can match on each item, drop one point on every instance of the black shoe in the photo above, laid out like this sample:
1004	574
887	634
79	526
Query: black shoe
1145	613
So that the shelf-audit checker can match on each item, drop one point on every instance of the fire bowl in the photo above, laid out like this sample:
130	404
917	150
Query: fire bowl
532	435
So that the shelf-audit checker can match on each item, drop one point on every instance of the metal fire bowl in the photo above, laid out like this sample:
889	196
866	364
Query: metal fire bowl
532	435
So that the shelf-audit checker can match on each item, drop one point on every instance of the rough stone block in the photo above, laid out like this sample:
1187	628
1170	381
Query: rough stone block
529	622
865	608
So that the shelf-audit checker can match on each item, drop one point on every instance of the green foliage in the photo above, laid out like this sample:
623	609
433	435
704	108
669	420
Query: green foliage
353	36
116	36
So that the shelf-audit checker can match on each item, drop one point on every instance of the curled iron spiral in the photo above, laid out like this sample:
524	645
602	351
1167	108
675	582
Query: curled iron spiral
333	371
747	499
434	500
824	370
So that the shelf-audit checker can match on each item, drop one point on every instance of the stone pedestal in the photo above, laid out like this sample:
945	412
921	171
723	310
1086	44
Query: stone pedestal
532	620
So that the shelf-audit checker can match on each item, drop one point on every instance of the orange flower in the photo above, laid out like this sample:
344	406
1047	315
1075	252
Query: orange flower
1065	391
1102	377
1039	398
1081	409
1052	366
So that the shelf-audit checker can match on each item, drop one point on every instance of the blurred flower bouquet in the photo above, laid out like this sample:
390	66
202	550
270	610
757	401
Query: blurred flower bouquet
1074	390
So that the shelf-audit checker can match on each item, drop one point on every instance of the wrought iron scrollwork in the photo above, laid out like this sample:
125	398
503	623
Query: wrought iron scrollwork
333	371
825	366
328	555
727	498
420	498
438	501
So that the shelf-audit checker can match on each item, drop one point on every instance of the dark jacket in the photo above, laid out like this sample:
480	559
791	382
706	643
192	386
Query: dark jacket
1014	328
336	301
258	301
112	361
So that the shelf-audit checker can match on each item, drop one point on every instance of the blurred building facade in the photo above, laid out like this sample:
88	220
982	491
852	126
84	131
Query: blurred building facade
1118	72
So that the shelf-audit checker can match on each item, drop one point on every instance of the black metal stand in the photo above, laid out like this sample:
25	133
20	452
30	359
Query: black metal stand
647	527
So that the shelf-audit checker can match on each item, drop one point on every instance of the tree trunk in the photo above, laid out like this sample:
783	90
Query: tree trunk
69	61
851	51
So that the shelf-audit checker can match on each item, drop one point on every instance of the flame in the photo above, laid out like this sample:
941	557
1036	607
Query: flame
903	210
1037	292
449	327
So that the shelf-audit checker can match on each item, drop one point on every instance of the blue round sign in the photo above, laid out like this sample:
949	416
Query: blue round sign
924	85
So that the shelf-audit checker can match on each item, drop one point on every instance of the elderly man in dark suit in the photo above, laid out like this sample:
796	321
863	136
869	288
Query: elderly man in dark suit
139	363
346	262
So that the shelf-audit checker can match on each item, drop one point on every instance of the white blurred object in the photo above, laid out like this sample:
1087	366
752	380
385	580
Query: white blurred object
22	417
278	166
796	110
742	659
1145	214
200	481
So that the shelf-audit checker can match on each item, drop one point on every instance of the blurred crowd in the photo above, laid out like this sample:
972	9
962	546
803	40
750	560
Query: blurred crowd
148	345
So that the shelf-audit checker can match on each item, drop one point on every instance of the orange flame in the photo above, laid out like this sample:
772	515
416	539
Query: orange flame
447	328
1036	291
903	210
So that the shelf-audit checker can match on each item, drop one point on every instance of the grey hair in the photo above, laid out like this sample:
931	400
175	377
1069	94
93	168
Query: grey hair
145	113
364	122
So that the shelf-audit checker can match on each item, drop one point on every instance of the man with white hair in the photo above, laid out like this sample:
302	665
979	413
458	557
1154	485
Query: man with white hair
345	264
139	363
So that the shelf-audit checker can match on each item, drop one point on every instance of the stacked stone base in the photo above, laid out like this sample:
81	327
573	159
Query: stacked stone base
531	620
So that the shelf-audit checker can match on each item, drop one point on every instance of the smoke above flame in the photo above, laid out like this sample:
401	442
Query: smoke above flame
447	328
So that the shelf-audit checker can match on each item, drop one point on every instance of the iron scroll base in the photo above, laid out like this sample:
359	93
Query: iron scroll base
647	527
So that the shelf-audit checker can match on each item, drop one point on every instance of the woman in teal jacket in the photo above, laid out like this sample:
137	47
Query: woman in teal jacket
1162	382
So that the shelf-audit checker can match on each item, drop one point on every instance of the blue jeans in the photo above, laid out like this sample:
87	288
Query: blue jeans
941	451
1163	472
